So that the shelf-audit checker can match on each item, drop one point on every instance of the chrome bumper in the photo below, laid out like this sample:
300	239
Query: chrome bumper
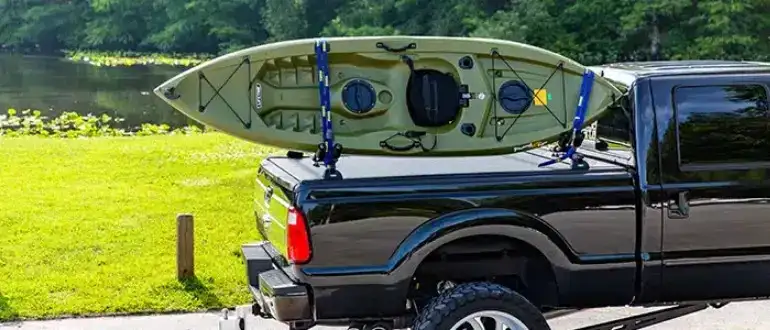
274	293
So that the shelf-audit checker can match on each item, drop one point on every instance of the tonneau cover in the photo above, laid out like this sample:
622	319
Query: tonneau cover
359	167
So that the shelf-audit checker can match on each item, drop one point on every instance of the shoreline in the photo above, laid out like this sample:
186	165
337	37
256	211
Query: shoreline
70	124
130	58
124	58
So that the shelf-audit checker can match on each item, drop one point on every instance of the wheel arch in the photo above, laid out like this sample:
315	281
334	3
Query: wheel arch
515	225
534	243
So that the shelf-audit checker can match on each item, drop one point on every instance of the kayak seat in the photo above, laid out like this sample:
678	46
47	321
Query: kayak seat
433	97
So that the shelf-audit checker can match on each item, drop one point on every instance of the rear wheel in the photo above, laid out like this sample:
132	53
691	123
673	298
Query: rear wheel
480	306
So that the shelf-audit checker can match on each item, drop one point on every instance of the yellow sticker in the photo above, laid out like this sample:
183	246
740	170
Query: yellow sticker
541	97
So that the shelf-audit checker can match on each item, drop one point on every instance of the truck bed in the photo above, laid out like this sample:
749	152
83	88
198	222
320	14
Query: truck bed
368	167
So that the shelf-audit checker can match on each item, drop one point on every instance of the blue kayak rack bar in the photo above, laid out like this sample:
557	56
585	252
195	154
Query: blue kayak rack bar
328	150
577	123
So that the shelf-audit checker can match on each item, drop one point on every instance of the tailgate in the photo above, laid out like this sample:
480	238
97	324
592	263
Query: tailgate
271	205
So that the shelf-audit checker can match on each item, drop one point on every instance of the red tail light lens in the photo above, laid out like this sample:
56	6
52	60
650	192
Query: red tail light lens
297	239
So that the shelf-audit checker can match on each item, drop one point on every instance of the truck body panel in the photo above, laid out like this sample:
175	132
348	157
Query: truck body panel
715	158
653	221
368	224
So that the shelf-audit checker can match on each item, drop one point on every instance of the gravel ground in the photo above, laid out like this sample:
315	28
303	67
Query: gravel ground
736	316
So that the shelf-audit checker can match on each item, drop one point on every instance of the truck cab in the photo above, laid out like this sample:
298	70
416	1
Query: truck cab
671	210
702	135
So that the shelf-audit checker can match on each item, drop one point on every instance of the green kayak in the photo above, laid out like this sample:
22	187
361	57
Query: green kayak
391	95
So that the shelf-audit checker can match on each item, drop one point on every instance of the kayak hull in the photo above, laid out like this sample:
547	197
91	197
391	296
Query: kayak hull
510	95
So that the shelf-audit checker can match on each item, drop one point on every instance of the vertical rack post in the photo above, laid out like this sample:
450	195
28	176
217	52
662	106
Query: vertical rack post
328	150
568	150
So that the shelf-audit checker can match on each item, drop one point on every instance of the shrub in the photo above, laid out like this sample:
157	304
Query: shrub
73	125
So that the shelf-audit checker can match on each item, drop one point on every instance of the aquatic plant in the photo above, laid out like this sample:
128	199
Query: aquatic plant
73	125
128	58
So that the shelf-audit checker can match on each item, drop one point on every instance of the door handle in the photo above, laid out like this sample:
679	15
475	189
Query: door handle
679	208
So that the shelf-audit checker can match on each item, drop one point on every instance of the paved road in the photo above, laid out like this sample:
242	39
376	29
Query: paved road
736	316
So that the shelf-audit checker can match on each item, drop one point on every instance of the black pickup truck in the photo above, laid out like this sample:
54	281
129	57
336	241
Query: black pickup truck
672	210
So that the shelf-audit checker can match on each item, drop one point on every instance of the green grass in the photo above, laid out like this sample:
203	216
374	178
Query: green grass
87	226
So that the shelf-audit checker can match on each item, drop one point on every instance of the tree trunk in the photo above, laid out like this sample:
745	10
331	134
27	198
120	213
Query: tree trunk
655	38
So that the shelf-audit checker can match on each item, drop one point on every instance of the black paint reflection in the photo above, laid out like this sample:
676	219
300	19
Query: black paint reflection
722	124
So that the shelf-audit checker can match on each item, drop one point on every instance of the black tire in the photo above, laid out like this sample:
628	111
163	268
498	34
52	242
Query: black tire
451	306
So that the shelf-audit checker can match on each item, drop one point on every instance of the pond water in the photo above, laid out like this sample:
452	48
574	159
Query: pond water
53	85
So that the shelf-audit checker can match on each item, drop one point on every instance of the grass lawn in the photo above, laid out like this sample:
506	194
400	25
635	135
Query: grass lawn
88	225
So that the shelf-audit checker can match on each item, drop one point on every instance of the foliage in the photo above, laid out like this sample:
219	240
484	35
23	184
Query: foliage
592	32
124	58
73	125
88	224
92	231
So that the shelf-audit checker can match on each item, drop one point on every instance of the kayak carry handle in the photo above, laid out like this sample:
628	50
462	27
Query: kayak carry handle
413	136
386	145
170	93
382	45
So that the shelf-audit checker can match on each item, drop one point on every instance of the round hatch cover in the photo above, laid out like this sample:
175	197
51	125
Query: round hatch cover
358	96
515	97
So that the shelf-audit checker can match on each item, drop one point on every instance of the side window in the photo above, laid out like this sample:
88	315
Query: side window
722	125
615	128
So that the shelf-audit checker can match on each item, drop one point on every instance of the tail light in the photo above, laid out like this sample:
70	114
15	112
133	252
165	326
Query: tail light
297	237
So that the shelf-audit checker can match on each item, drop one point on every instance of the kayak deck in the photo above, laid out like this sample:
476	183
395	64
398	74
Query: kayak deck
481	97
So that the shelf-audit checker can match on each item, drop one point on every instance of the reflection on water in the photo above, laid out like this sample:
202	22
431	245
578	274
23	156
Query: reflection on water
54	85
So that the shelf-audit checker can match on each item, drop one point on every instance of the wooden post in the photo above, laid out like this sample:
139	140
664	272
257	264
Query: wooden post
185	251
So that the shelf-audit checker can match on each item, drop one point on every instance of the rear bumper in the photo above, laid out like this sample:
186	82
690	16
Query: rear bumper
274	293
